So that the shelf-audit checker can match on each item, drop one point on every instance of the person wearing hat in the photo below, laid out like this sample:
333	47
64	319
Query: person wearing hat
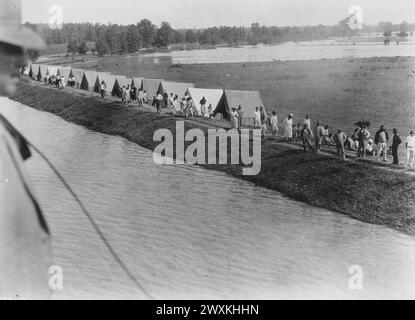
396	141
14	39
363	136
410	149
307	121
381	141
24	235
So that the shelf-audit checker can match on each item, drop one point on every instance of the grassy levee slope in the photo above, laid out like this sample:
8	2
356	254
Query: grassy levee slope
356	189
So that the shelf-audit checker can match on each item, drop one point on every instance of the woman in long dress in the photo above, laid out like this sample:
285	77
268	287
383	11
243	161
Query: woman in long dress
288	128
274	123
235	119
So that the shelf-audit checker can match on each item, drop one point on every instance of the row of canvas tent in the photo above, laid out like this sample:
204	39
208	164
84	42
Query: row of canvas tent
222	101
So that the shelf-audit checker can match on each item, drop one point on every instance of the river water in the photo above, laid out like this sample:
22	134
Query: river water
186	232
289	51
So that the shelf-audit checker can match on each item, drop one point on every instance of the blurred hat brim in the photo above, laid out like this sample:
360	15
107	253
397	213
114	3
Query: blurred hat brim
21	36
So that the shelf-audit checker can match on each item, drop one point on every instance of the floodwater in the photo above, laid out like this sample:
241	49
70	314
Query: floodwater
312	50
186	232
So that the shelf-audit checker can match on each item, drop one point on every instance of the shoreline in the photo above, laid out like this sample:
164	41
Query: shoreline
357	189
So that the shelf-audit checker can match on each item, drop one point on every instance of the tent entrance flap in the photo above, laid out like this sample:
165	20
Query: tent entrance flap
247	100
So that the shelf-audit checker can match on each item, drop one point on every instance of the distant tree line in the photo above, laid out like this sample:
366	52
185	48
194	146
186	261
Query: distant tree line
114	38
387	28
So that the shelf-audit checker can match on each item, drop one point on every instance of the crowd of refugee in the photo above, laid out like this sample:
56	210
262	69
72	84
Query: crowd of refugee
361	141
311	138
129	94
59	80
178	106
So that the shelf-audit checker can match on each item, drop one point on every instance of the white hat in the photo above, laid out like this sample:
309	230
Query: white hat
11	29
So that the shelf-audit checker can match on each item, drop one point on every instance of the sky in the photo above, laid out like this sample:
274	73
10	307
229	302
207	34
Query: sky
207	13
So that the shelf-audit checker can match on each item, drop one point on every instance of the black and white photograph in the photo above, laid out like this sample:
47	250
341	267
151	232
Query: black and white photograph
196	150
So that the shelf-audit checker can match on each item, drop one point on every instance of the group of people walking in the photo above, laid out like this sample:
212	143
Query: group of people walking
55	80
183	106
379	146
129	94
314	138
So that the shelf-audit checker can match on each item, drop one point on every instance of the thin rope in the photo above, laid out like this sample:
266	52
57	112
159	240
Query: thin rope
88	215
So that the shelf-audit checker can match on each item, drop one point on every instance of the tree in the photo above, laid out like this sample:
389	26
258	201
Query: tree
123	41
387	28
147	32
112	37
101	42
164	35
254	34
210	36
177	37
190	36
82	48
227	35
72	47
403	28
133	38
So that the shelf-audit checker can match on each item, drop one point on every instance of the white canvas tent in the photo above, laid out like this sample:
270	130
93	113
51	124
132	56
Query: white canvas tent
248	100
109	80
177	88
88	80
212	97
100	76
52	70
43	69
119	83
151	87
78	75
137	82
34	71
65	72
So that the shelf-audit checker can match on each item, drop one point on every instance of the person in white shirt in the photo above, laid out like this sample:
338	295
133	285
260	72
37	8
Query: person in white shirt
288	128
319	134
141	98
410	149
307	121
176	105
235	119
128	94
170	101
257	118
210	111
159	98
274	123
